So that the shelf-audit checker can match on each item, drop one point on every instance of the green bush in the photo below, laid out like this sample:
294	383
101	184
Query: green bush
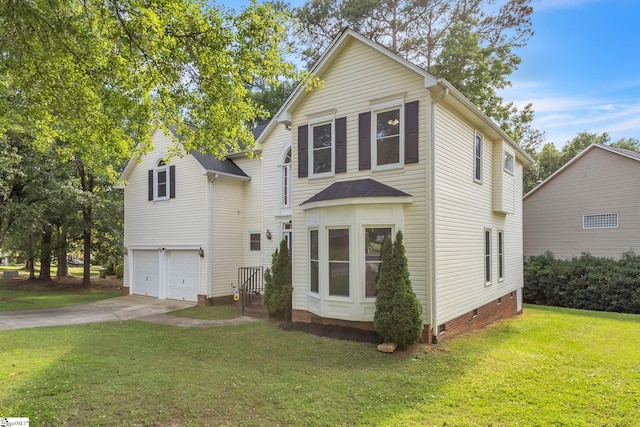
277	284
588	283
398	316
119	271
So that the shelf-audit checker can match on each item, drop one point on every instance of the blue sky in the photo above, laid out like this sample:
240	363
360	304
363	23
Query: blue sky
581	69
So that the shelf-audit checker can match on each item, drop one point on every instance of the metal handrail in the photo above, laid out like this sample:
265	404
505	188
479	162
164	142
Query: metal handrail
250	280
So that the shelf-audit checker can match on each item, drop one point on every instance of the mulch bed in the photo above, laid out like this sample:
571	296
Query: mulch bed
333	331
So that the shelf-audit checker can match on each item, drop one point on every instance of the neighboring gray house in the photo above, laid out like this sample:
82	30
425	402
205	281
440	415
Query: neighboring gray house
591	204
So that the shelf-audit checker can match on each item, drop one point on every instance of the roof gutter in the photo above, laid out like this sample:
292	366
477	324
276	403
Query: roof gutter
458	96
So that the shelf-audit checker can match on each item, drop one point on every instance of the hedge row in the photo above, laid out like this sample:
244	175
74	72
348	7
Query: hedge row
588	283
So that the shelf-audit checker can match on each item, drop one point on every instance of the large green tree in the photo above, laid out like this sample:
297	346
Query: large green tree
471	43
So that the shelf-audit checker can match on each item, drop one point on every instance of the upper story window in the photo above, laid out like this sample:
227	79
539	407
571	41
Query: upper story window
477	163
285	176
322	148
162	181
508	162
388	147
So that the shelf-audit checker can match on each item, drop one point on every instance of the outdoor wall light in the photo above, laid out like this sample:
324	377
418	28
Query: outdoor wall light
268	234
201	252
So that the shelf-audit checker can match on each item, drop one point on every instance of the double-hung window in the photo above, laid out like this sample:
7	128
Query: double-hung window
487	256
161	179
373	240
508	162
388	135
339	262
322	150
500	254
477	160
314	261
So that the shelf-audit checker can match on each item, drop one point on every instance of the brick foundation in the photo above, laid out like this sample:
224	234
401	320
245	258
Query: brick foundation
501	308
205	301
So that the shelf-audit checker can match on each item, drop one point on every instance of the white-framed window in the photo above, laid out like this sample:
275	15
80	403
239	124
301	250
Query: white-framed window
287	234
285	179
255	241
508	162
322	146
314	260
477	159
608	220
161	181
487	256
501	255
387	142
374	237
338	262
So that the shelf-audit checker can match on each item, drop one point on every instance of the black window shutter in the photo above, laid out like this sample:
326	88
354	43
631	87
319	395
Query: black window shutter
150	184
364	141
411	132
172	182
341	145
303	151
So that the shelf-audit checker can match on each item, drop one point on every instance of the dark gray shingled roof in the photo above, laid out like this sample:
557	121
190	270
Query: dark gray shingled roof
354	189
213	164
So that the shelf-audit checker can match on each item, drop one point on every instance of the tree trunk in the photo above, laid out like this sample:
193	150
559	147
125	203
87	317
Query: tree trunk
31	267
87	182
61	253
45	254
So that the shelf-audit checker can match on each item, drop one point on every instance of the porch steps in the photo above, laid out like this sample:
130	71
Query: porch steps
257	309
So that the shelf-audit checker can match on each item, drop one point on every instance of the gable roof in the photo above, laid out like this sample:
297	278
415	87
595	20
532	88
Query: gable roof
356	191
210	164
633	155
437	85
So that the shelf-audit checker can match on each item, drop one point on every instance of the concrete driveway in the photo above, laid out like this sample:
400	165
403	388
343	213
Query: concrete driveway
109	310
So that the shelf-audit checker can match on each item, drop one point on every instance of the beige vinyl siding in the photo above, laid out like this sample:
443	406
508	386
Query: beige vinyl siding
464	209
228	246
599	182
251	209
358	76
273	216
179	221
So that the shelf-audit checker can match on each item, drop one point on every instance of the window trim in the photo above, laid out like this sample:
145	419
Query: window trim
347	262
510	166
315	122
317	261
488	262
251	241
478	157
383	107
501	258
286	181
161	166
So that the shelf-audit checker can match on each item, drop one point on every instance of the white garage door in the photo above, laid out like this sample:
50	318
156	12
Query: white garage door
146	277
183	275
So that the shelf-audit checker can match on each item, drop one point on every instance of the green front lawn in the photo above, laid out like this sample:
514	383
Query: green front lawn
35	299
550	366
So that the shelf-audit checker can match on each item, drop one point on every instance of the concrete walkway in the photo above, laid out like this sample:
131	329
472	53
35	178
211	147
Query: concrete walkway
128	307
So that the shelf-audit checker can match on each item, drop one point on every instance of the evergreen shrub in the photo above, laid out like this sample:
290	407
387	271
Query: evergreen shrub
277	284
398	316
587	282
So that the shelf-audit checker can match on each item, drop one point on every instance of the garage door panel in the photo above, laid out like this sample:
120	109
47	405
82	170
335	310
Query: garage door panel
183	275
146	273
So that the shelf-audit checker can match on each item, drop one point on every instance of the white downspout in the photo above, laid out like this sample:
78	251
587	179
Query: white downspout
210	219
434	304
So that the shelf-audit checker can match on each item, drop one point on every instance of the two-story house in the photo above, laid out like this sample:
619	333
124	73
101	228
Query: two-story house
382	146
